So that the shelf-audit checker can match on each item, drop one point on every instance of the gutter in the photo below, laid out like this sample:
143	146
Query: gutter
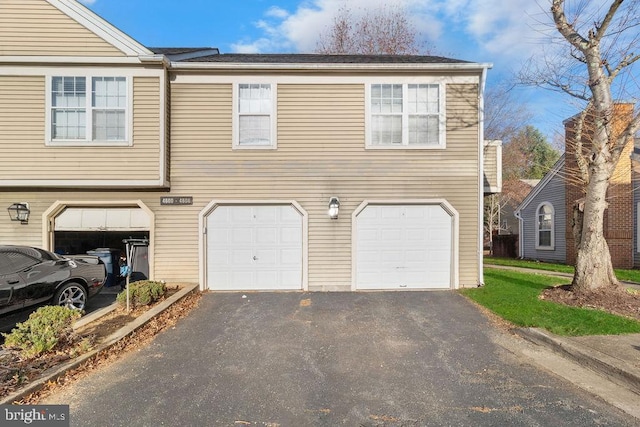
329	66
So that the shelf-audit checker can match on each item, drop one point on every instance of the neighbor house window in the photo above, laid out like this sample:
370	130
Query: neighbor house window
544	226
406	116
88	109
255	118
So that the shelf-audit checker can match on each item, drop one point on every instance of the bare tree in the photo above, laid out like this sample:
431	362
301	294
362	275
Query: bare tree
504	115
383	31
599	63
494	205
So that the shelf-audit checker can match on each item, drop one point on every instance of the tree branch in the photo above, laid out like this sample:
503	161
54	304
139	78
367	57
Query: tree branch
601	30
567	30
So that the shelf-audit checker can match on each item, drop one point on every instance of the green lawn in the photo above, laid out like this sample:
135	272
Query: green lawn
621	274
514	297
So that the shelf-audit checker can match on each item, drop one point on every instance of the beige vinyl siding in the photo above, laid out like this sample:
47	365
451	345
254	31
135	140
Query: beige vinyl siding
321	153
490	167
35	28
22	137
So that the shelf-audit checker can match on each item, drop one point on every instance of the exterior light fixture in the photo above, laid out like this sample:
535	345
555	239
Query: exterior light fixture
334	206
19	212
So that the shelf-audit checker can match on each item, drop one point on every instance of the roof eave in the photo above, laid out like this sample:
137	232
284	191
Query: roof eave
467	66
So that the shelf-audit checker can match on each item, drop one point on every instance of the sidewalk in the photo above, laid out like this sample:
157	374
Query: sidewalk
616	357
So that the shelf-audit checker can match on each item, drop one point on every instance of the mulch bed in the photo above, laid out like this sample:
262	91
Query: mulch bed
16	372
613	300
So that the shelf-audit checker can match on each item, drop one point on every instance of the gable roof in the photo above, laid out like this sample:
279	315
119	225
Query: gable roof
100	27
555	169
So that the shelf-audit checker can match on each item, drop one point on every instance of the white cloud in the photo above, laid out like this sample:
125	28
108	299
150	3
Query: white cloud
467	29
277	12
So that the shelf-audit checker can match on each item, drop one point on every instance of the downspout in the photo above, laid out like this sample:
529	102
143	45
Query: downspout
483	81
520	233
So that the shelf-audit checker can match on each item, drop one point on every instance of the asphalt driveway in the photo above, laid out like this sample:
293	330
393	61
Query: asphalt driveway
326	359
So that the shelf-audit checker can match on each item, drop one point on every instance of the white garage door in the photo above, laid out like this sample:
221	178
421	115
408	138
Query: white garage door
254	248
102	219
403	247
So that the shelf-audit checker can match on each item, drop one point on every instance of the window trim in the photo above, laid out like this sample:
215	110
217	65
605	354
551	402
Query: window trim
88	141
552	240
442	120
273	120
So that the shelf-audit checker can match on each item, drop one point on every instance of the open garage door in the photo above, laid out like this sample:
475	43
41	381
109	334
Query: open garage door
254	247
404	247
78	230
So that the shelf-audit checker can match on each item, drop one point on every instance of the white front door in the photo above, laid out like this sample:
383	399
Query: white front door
403	246
254	248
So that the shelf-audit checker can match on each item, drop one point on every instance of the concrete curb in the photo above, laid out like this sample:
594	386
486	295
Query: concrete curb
112	339
614	369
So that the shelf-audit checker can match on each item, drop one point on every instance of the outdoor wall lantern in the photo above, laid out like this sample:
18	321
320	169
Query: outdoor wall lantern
334	206
19	212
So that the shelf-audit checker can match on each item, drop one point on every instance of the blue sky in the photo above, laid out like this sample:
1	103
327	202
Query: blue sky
505	33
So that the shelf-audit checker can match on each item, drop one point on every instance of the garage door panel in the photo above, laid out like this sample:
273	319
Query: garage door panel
266	235
291	235
264	243
266	256
416	256
266	214
241	235
403	246
290	257
390	212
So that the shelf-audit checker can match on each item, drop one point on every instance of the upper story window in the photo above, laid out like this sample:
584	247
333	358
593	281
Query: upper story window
254	121
88	109
545	226
406	116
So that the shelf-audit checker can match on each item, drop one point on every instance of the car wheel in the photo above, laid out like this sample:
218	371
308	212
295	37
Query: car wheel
71	295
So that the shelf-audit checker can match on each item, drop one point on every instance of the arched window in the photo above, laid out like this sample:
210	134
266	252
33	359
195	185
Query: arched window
545	238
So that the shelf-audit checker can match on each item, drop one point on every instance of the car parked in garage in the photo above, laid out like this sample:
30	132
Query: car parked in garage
31	276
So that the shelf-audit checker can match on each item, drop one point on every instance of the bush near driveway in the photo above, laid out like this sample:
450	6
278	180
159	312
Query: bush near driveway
514	296
46	328
142	293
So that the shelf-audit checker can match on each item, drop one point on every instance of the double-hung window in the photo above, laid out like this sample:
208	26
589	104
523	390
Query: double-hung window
88	109
544	227
406	116
254	119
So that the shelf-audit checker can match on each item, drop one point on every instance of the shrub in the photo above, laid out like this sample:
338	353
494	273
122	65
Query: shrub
142	293
46	328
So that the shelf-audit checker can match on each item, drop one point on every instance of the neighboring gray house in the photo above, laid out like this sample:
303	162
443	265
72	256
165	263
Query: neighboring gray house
542	218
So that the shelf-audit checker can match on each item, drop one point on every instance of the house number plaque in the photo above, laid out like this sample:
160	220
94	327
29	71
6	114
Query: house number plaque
176	200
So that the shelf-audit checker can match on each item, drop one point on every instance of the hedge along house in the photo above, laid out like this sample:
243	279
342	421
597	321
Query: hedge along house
246	172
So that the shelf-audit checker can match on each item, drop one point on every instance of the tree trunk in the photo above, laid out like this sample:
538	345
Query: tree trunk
593	261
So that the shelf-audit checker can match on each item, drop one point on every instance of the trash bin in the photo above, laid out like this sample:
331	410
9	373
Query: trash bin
110	257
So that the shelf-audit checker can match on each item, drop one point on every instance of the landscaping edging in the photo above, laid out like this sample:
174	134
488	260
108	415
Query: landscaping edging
108	342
